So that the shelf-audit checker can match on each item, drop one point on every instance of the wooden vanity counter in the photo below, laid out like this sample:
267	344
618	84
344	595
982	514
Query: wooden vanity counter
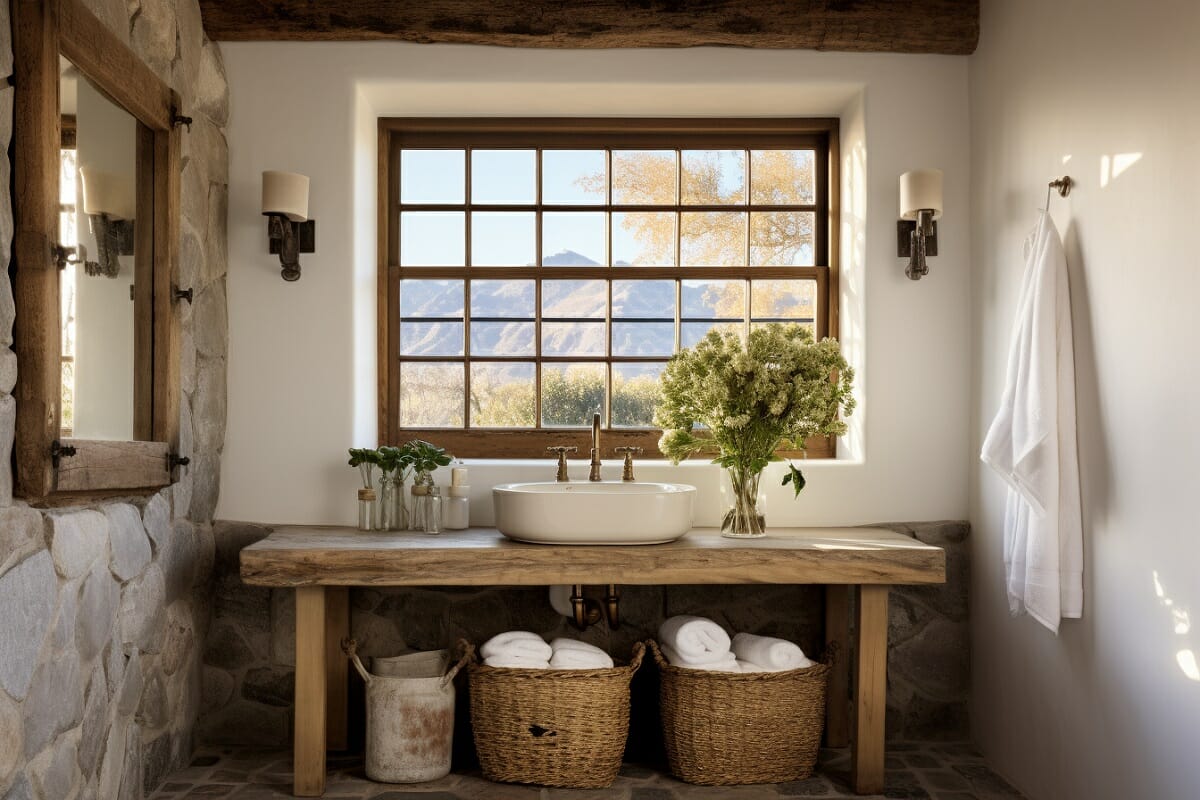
322	562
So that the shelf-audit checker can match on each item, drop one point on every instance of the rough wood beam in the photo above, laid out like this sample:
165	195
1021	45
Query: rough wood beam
895	26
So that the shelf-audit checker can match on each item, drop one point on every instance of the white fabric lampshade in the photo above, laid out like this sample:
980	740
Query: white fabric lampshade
106	193
285	193
919	189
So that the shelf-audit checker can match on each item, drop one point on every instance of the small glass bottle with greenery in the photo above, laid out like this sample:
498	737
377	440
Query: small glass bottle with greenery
394	463
366	460
425	457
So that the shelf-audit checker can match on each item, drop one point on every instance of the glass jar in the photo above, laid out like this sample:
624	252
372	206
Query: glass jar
422	483
366	509
387	503
431	516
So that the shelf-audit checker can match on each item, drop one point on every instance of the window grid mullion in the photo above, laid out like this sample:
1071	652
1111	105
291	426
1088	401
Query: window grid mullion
469	155
537	301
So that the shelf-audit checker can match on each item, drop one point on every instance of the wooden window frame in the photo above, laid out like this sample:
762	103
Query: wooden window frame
820	134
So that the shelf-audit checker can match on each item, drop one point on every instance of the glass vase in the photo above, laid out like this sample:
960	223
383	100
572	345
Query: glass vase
387	504
745	518
400	506
422	483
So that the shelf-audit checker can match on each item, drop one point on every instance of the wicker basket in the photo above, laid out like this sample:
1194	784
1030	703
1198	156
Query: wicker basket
552	727
723	728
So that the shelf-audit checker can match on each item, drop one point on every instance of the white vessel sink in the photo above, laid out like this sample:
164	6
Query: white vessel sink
605	512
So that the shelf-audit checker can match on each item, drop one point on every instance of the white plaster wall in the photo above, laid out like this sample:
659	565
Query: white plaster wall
1107	93
301	356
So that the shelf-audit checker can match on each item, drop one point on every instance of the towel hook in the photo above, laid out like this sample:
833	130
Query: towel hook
1063	185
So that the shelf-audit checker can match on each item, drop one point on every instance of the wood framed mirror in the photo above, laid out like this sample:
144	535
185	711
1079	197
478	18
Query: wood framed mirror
96	178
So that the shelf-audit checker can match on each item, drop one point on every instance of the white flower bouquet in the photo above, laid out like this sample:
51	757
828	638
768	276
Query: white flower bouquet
743	400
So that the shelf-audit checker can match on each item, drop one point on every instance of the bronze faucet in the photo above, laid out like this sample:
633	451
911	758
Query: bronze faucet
562	451
594	471
627	469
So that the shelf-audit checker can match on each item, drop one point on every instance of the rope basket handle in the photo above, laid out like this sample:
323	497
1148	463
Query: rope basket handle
639	652
467	655
350	648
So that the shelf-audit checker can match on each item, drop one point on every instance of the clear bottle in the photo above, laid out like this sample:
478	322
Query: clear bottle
366	509
422	483
456	509
431	517
387	503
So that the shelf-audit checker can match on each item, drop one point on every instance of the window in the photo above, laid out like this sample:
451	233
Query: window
535	271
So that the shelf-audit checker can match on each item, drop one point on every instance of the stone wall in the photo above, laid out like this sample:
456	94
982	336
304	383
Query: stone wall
250	655
106	604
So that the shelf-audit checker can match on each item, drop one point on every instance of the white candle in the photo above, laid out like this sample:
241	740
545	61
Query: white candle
458	476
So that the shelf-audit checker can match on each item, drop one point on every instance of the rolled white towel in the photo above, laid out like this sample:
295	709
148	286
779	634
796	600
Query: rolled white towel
524	644
697	639
723	663
574	654
510	661
768	653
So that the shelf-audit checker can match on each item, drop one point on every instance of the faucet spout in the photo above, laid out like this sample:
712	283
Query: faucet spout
594	471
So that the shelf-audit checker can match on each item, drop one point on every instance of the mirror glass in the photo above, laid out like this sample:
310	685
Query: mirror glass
97	187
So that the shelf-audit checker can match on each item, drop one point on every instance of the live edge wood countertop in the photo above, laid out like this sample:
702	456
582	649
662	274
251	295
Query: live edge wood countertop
335	556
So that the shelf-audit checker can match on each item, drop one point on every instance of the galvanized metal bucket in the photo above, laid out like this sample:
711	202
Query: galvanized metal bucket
410	719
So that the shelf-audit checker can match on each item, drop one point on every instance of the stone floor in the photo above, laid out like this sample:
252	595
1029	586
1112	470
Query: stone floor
919	771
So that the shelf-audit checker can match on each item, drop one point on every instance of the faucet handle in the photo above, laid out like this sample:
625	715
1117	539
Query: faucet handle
627	470
562	451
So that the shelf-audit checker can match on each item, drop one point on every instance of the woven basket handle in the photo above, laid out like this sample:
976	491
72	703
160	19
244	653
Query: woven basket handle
350	648
467	656
652	646
639	652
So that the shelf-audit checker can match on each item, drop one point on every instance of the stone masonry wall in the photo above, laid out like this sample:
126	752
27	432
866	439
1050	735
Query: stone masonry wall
106	605
249	657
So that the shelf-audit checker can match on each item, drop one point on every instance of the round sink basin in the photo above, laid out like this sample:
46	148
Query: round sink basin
606	512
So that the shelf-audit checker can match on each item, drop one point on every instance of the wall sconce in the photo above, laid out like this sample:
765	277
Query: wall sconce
916	231
108	205
290	231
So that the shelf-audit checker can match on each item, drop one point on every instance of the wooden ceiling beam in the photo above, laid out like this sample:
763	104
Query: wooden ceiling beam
948	27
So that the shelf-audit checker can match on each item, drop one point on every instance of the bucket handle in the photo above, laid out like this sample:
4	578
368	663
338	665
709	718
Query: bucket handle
350	648
467	655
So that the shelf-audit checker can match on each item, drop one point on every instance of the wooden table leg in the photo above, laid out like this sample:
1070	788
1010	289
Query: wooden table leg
837	636
309	748
870	689
337	628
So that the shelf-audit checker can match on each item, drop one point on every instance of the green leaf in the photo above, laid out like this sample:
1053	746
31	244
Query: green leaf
795	477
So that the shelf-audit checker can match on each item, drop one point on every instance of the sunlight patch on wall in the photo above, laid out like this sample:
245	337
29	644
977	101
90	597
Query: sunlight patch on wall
1112	166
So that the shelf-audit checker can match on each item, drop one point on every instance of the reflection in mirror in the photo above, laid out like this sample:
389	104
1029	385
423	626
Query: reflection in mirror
96	224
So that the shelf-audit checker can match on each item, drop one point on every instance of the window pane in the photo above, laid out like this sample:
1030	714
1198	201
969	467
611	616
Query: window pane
714	177
502	299
635	394
643	338
783	300
432	176
781	238
573	339
504	176
571	393
714	299
574	177
503	239
646	299
574	298
432	239
692	332
643	177
502	395
643	238
502	339
421	298
782	177
431	395
712	239
431	338
573	239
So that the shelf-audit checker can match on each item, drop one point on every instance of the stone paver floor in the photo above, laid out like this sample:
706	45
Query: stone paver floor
918	771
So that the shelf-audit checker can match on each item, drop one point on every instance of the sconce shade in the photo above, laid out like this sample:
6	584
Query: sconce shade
285	193
920	189
106	193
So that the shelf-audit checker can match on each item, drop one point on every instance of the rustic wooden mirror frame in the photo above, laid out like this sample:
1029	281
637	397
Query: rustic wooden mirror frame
42	31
